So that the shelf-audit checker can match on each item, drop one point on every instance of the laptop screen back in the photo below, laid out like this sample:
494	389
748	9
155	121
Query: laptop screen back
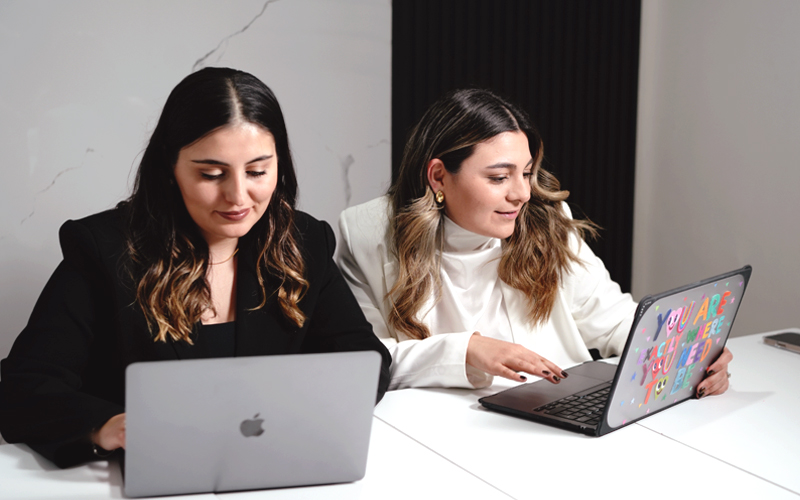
678	335
224	424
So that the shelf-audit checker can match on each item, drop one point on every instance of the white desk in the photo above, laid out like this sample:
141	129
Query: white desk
755	426
397	468
439	443
529	460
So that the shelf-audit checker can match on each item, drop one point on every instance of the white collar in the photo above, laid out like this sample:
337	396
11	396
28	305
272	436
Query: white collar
457	239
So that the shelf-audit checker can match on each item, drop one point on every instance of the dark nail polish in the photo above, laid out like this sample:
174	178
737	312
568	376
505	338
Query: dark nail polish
564	374
545	372
523	378
556	378
701	392
710	372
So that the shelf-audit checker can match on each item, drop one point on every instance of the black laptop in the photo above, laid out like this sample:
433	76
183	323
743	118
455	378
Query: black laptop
675	336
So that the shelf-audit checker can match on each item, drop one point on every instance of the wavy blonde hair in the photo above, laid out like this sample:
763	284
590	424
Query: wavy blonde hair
534	257
168	258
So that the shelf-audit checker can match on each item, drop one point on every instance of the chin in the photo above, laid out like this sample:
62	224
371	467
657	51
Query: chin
235	232
501	232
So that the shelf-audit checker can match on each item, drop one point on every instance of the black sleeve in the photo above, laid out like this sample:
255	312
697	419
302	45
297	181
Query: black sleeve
43	398
337	322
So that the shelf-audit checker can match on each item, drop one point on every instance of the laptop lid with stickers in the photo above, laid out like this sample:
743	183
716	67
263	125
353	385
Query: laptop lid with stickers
675	337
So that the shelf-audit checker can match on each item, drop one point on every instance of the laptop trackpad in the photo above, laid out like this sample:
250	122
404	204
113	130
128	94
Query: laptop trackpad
526	397
595	369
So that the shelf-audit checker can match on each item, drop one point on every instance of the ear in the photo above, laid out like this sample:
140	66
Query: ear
436	174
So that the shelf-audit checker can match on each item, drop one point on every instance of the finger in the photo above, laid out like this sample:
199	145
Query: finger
721	363
715	384
713	389
506	372
542	367
539	369
557	371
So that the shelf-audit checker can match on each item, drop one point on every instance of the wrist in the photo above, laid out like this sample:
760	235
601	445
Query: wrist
101	452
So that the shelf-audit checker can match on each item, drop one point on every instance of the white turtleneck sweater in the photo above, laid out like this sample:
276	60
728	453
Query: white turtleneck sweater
590	311
472	298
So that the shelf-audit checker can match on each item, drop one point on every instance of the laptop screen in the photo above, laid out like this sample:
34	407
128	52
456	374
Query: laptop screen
678	335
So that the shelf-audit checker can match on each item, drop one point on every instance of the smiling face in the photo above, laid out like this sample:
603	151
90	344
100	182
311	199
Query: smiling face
487	193
227	179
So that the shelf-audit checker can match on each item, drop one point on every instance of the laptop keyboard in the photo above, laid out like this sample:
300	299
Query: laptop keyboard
586	409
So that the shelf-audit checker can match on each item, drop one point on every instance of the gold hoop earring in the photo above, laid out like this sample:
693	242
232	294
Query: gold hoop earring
440	197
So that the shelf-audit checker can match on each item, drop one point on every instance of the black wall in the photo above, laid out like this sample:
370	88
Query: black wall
571	64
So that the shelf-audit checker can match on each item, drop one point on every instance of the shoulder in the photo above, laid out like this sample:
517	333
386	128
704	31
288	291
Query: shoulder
365	246
366	224
101	234
315	237
576	243
107	222
565	208
310	229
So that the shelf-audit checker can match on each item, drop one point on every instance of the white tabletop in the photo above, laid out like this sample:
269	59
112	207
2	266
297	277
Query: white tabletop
529	460
440	443
26	475
754	425
397	468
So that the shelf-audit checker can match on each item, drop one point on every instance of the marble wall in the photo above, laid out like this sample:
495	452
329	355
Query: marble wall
83	83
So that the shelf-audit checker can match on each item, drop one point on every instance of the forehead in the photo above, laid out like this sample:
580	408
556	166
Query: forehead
507	149
228	139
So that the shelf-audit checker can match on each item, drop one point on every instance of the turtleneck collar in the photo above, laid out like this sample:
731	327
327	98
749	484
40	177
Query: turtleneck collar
458	239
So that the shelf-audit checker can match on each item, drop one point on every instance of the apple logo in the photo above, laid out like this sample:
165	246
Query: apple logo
252	427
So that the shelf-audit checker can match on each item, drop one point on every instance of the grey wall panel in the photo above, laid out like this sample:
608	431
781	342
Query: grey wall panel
718	169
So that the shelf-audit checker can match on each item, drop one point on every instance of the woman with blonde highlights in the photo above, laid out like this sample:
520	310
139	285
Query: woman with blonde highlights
472	265
207	258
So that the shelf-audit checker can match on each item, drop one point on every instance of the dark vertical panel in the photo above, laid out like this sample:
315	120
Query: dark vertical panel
571	64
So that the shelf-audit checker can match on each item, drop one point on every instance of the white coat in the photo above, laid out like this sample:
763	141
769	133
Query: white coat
590	310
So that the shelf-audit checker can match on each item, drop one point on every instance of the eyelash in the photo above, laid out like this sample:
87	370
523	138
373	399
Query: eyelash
214	177
501	178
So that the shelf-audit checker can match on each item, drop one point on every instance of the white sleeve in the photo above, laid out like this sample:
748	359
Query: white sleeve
437	361
601	311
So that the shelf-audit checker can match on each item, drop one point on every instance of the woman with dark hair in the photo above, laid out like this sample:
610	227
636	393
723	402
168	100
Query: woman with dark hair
207	258
472	265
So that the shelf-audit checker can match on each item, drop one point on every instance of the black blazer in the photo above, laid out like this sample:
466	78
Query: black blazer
65	374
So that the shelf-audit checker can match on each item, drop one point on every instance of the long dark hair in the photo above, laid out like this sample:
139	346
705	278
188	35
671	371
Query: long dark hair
168	254
534	256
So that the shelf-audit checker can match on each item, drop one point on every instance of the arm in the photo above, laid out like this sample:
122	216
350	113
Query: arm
602	313
43	394
437	361
336	322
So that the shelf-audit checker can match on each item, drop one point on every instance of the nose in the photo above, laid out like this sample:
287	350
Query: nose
235	190
520	189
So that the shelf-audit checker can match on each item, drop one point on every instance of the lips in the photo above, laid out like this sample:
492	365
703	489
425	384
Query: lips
508	215
234	216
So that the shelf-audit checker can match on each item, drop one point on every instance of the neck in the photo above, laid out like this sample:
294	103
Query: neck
222	251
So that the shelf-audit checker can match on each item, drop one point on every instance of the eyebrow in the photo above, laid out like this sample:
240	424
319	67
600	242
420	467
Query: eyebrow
510	165
217	162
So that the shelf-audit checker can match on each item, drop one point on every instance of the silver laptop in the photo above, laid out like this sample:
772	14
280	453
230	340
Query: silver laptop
675	336
224	424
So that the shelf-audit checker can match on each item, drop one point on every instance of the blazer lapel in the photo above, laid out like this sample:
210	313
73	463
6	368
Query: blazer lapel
258	331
